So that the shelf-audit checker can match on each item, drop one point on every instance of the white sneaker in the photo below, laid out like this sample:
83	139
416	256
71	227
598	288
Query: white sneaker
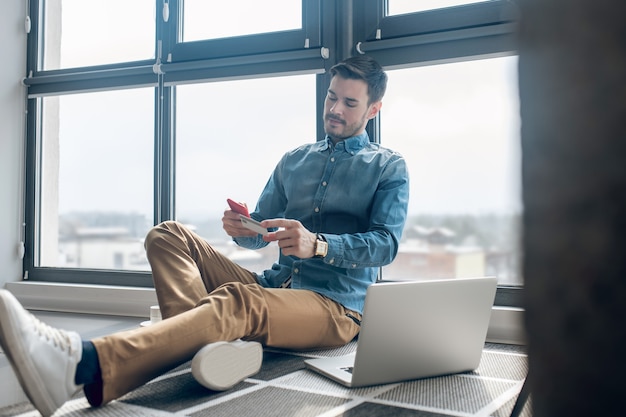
43	358
221	365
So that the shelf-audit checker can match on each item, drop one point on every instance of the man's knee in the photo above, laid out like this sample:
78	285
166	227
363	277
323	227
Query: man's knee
159	232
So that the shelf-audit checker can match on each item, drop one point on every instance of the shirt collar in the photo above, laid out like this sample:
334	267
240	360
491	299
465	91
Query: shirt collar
350	145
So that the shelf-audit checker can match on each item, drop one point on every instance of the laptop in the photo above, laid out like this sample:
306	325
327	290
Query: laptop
416	329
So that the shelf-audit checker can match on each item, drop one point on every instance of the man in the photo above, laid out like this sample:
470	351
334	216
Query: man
336	209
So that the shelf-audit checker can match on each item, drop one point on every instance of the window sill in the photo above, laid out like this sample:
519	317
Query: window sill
506	325
87	299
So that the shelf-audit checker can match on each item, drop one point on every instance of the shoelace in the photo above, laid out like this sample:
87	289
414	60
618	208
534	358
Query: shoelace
59	338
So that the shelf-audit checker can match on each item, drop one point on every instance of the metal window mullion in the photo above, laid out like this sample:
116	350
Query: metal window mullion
242	67
436	38
164	183
32	194
83	81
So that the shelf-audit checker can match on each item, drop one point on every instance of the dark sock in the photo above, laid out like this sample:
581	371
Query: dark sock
88	369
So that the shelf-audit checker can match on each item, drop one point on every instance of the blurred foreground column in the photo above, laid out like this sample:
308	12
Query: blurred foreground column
573	107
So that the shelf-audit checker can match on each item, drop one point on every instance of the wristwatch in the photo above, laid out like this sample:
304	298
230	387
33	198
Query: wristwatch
321	246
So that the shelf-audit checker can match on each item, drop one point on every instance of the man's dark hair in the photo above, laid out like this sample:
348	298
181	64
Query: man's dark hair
363	67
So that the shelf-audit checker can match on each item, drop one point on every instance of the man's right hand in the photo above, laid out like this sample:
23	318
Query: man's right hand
233	227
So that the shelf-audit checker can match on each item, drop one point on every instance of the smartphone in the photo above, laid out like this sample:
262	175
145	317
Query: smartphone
252	224
238	207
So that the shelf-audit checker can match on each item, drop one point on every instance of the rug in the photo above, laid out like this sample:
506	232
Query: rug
284	387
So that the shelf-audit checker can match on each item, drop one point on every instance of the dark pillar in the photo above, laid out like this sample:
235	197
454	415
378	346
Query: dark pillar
573	107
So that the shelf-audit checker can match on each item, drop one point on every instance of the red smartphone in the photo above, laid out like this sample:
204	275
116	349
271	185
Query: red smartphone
238	207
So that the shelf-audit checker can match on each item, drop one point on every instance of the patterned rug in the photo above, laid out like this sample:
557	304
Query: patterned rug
284	387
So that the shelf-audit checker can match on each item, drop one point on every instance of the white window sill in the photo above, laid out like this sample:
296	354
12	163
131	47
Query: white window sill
506	325
87	299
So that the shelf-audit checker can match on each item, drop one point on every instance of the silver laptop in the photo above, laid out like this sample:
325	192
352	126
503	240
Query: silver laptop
416	329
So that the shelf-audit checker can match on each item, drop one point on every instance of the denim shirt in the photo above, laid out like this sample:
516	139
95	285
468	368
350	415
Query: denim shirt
355	194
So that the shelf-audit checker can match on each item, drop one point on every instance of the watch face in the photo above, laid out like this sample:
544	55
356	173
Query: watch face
321	248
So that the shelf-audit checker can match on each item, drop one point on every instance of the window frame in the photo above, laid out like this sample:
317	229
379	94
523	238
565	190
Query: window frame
270	42
334	30
451	34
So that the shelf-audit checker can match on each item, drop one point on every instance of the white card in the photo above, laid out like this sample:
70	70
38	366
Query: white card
252	224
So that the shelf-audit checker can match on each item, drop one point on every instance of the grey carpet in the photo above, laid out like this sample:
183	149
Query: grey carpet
284	387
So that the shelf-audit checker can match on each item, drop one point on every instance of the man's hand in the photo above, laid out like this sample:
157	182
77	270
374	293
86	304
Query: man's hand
292	237
233	227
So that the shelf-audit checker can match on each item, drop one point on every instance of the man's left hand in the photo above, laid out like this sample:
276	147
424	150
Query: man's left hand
293	238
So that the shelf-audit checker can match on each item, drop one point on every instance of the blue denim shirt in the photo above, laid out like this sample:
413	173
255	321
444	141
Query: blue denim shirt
355	194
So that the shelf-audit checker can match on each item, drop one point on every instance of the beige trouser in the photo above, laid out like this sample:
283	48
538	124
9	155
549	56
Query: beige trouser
204	297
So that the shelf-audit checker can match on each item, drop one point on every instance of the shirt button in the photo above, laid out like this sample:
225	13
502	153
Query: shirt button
332	261
317	209
332	159
324	183
353	265
296	270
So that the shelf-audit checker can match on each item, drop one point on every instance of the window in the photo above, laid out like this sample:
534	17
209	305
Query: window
96	179
79	33
213	20
457	126
230	135
212	30
396	7
137	109
216	158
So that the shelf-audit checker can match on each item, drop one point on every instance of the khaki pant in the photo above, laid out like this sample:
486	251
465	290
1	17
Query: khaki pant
204	297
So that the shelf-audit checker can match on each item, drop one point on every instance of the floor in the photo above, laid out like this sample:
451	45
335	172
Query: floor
285	388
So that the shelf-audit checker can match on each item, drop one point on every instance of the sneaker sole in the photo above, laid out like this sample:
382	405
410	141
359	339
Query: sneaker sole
222	365
33	387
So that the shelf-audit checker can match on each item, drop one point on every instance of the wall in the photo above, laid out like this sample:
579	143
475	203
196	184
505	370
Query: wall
13	53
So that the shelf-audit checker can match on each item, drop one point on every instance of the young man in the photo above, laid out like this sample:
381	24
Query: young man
336	209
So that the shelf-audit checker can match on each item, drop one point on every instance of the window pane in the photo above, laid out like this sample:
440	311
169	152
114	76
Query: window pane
458	125
230	136
222	19
80	33
396	7
96	180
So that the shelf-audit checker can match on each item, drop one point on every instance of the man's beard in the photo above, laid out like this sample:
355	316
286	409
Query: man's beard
339	133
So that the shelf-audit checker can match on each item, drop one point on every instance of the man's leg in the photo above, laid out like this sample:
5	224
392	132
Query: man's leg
185	268
303	319
286	318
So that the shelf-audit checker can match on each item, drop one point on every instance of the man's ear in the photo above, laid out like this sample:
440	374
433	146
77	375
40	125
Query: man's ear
374	109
